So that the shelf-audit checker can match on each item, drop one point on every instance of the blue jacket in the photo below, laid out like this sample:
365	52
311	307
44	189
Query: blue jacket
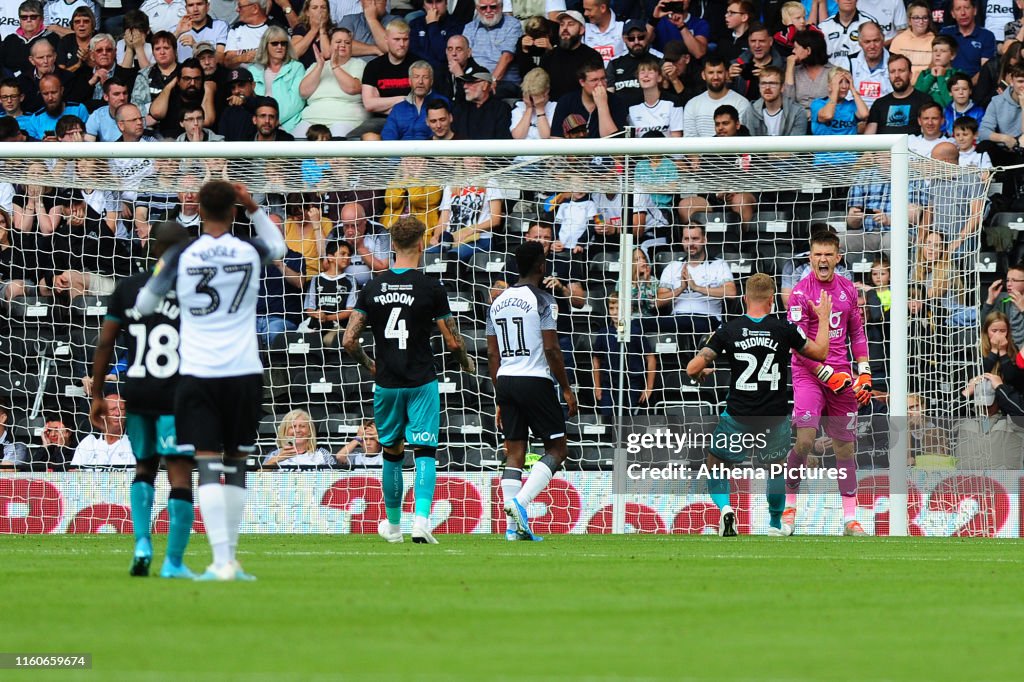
405	122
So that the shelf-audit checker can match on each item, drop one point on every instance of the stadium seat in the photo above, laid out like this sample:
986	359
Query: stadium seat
741	265
436	264
31	311
489	266
773	225
1014	221
835	220
18	386
604	266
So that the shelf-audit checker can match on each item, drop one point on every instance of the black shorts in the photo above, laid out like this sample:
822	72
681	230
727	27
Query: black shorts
529	404
218	415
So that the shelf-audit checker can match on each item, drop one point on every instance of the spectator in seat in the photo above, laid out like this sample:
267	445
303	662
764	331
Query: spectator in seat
869	210
870	66
807	69
14	50
193	130
965	134
369	38
373	253
1001	124
592	98
189	89
312	33
14	453
930	121
976	45
898	111
153	79
385	81
645	288
197	26
265	118
296	444
1008	303
282	285
278	74
43	61
110	448
57	444
961	104
43	123
794	19
101	126
440	119
998	348
746	69
493	38
532	116
17	260
469	216
876	300
332	89
622	71
134	49
408	119
565	60
604	31
73	47
164	15
306	229
699	113
535	42
364	450
236	122
934	81
693	292
460	58
659	109
672	20
774	114
481	115
11	101
842	112
955	207
101	60
332	293
738	15
244	37
915	43
842	29
995	440
641	365
429	34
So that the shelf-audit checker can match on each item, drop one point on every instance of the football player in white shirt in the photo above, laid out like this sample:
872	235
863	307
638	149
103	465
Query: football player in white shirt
525	361
217	406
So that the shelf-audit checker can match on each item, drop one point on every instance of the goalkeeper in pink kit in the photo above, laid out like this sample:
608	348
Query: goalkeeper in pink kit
828	390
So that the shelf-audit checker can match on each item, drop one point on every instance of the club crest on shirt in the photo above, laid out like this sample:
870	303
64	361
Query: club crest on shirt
795	313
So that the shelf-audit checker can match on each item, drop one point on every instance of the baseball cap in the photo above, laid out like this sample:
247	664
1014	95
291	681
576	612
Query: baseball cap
476	74
572	123
574	15
240	75
203	47
634	25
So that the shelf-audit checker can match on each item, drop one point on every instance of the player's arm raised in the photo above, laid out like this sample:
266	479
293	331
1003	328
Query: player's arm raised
817	348
556	361
455	343
350	341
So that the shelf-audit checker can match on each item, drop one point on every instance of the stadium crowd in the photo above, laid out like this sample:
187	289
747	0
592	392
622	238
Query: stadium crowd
949	74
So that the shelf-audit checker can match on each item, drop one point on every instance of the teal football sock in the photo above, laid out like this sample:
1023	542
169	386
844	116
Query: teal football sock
426	478
392	485
776	500
142	494
181	516
718	486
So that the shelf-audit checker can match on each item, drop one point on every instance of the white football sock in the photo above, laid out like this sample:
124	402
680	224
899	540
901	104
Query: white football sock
234	502
510	487
212	505
540	476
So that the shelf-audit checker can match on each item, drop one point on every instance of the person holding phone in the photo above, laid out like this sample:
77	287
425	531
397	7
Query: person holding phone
296	443
672	21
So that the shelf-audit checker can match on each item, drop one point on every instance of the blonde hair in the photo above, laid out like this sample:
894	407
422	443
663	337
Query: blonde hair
536	82
761	287
283	435
792	9
835	71
274	33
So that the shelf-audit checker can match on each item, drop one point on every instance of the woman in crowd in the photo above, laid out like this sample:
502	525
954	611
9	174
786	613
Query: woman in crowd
531	116
296	443
73	49
998	351
332	88
807	69
994	77
915	42
314	28
277	74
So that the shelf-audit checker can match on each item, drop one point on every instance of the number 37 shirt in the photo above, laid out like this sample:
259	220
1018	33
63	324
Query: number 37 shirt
402	308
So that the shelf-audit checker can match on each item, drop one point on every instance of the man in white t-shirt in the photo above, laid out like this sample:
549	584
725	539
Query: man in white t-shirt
695	290
890	15
699	113
244	37
111	448
842	30
8	17
202	28
603	32
164	15
930	118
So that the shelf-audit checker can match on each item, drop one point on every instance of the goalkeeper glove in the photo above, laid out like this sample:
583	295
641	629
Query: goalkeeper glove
862	387
837	381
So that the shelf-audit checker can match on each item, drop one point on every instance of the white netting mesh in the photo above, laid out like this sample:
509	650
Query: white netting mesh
757	211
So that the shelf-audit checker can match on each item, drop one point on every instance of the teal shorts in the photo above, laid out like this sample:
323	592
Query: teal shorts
409	414
152	435
765	440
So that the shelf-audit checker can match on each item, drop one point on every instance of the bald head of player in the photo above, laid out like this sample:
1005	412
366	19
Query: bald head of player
531	261
166	234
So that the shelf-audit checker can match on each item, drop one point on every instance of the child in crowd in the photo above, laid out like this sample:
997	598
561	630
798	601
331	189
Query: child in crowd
641	365
934	80
794	20
960	89
313	170
965	134
572	222
332	293
877	302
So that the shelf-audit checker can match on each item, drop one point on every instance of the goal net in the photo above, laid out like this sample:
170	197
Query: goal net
621	219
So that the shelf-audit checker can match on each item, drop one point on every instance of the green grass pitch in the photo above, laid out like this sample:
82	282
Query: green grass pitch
572	607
